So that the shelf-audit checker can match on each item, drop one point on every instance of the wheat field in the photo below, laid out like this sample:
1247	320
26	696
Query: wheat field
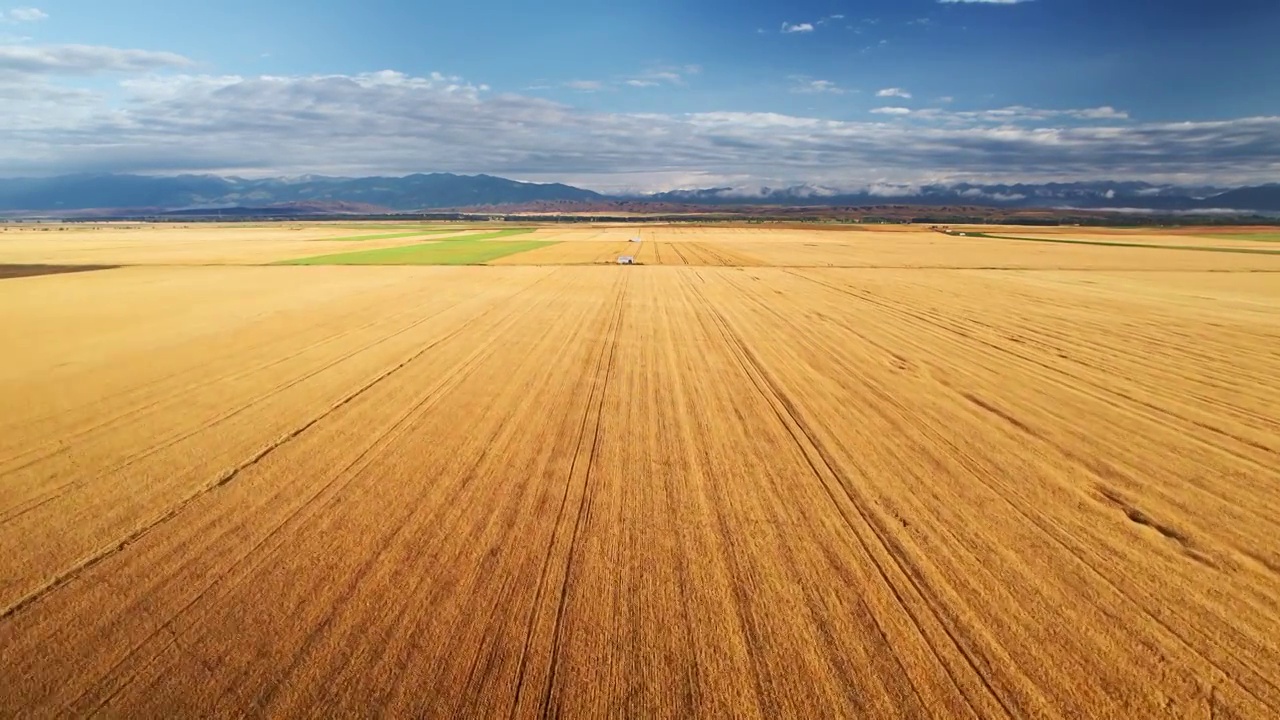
766	473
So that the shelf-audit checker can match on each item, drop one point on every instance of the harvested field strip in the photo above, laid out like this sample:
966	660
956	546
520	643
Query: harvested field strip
675	249
647	253
716	254
697	253
453	253
1198	248
18	271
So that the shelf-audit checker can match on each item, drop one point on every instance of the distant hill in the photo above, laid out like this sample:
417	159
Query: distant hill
292	209
413	192
318	195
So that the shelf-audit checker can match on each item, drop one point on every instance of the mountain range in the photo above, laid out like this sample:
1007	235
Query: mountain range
1077	195
369	194
73	193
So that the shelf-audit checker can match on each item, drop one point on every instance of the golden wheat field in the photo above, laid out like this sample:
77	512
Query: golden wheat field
765	473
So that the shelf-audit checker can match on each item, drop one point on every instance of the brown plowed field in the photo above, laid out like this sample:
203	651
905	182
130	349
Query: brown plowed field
17	271
651	491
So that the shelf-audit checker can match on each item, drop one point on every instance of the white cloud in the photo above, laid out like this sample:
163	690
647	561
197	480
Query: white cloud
886	189
671	75
668	75
665	76
808	27
808	86
983	2
891	111
894	92
1020	114
23	14
83	59
980	194
390	123
1100	113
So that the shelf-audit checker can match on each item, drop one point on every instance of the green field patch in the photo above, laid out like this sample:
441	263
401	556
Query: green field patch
471	250
1247	237
1066	241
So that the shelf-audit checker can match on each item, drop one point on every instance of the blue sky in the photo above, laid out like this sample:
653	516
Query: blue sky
650	95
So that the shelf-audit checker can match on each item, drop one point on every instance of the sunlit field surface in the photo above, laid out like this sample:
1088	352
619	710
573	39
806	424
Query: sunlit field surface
853	472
